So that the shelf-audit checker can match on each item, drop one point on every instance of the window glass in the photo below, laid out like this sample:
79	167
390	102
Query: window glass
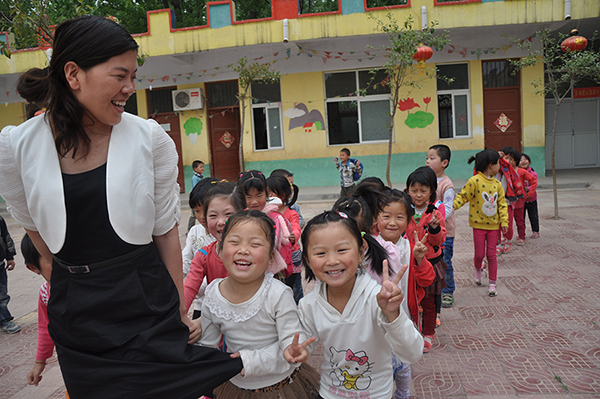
445	116
374	118
460	73
374	83
340	84
274	127
260	128
499	74
342	119
160	101
461	115
265	92
384	3
222	94
131	105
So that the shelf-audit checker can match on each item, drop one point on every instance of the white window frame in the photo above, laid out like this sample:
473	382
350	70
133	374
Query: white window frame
359	100
454	93
267	106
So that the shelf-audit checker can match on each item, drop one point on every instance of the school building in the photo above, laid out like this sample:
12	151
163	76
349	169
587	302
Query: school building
303	121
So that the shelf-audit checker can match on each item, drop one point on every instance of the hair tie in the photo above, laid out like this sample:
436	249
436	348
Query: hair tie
224	181
362	234
342	214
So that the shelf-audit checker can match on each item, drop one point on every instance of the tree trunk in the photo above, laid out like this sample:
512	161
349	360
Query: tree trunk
241	147
554	185
389	155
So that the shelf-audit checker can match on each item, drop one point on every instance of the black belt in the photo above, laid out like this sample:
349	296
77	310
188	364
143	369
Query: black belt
83	269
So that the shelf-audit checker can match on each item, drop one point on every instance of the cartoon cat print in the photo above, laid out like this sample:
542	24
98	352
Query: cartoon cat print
350	369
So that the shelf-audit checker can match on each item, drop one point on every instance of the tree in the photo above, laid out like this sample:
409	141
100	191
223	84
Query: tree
399	67
248	73
563	70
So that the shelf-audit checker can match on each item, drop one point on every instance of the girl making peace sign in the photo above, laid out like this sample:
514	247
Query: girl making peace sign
351	314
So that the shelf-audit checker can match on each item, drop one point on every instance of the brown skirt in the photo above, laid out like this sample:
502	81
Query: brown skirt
439	282
303	383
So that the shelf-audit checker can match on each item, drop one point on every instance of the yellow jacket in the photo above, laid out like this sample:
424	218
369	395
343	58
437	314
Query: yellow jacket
488	209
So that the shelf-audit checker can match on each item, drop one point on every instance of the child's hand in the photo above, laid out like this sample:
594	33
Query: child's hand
292	238
357	163
390	297
35	375
335	159
420	249
505	230
235	356
195	331
296	352
434	222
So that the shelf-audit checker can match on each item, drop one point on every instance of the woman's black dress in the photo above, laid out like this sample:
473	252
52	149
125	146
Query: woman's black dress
117	329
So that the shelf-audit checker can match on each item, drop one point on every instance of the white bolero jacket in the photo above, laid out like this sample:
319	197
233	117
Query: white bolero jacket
141	180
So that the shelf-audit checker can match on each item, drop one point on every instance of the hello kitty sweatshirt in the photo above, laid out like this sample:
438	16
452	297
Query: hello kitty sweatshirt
357	363
487	209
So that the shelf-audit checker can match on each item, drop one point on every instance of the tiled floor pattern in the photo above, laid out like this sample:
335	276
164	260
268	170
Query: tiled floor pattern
538	339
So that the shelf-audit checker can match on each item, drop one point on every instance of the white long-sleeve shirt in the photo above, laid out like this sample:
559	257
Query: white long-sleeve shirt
357	362
259	328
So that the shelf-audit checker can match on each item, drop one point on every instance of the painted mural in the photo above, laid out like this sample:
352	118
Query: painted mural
193	128
300	116
418	119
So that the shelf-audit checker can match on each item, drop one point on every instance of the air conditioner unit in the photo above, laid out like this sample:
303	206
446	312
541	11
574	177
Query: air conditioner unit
187	99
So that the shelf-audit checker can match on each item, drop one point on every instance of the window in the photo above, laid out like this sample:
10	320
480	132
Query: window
352	118
266	116
454	102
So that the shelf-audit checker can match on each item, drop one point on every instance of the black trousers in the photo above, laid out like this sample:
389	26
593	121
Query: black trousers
531	207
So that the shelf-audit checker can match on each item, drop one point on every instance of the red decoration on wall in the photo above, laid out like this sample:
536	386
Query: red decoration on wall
227	139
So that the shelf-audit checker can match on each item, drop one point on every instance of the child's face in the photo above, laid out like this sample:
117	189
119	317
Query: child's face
256	200
420	194
344	157
494	168
510	160
199	169
246	253
219	210
199	214
434	161
524	164
45	269
334	255
392	221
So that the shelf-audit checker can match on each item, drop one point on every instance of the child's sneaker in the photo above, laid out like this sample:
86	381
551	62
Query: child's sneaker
10	327
535	235
438	322
478	277
492	290
499	249
427	343
520	241
507	246
447	300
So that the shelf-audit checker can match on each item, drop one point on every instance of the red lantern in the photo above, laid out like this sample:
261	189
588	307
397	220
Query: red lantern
423	54
574	42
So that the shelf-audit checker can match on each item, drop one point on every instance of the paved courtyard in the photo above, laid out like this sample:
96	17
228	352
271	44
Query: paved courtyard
539	338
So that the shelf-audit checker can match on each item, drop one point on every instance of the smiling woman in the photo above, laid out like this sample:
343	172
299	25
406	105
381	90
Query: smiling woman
95	188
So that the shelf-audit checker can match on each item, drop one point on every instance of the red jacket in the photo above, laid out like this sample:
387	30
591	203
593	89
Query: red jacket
529	182
436	239
206	263
419	276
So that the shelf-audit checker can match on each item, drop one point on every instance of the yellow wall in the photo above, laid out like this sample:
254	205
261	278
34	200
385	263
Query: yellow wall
12	114
532	108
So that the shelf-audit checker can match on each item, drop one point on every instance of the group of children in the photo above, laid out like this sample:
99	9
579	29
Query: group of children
382	258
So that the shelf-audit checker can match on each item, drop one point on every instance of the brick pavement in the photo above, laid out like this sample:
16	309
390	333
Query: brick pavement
540	338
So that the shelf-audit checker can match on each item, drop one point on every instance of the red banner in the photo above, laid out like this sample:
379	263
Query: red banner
586	92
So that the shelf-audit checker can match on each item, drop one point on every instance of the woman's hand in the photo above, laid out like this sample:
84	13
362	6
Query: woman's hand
390	297
298	352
